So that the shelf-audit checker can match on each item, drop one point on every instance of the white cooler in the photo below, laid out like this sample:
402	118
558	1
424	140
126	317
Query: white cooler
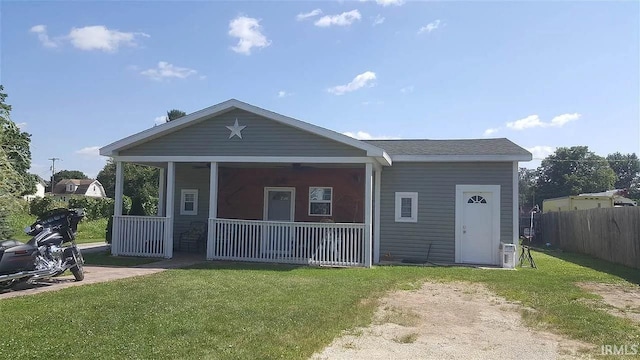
508	255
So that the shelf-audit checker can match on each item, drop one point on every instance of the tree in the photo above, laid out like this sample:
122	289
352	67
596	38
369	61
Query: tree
68	174
634	188
527	188
10	187
139	181
15	144
572	171
175	114
626	168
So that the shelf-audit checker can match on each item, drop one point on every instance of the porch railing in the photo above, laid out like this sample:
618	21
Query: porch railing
140	235
327	244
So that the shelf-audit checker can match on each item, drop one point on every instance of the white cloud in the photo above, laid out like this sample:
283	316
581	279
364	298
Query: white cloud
363	135
159	120
283	93
22	125
540	152
530	121
387	2
365	79
344	19
41	30
96	37
407	89
164	70
429	27
90	151
249	34
390	2
99	37
491	131
310	14
533	121
379	19
560	120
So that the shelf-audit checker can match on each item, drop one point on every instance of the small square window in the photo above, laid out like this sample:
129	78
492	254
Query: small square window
406	207
189	202
320	199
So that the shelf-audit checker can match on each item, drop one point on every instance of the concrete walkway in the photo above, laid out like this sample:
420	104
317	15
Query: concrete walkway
98	274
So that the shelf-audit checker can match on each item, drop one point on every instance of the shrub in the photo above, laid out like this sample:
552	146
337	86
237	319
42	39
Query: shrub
40	206
94	208
151	206
5	226
137	206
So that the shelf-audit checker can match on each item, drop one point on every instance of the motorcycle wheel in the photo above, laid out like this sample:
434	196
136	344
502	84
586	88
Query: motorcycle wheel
77	270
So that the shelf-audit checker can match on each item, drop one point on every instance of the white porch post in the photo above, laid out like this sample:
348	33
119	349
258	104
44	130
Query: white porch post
168	228
516	208
368	192
161	185
213	208
376	221
117	210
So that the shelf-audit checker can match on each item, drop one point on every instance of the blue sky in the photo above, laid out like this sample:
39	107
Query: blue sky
81	75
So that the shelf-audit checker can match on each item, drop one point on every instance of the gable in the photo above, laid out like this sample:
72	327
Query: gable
261	137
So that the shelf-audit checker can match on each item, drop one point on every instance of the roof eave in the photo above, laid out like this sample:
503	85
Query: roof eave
461	158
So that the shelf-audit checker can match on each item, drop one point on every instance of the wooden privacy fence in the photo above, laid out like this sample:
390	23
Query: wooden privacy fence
611	234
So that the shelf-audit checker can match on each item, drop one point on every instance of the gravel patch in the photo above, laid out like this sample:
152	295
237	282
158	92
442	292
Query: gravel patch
450	321
623	301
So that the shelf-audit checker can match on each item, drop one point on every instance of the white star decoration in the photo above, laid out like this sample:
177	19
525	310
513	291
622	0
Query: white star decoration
236	130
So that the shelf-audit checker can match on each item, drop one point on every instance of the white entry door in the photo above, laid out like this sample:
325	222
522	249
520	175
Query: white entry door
477	224
279	206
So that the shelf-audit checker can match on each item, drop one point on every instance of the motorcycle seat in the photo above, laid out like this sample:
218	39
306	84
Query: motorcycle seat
5	244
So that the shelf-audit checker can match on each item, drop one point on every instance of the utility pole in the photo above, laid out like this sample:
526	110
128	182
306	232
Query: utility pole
53	171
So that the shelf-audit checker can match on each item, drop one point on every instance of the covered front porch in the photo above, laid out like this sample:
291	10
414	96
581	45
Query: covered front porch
298	211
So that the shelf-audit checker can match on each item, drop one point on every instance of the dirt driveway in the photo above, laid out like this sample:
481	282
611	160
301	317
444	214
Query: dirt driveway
450	321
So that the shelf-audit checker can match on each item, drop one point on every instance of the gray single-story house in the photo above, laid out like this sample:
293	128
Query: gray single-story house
238	182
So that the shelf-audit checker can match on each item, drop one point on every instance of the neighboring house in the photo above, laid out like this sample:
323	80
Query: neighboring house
618	196
271	188
40	190
68	188
605	199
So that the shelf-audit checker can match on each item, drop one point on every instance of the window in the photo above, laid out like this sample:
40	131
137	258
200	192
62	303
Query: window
320	201
477	199
71	187
406	207
189	202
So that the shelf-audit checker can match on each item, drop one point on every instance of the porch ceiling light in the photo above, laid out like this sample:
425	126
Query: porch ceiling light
236	130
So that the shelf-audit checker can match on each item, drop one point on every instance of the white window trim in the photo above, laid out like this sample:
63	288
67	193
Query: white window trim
414	206
330	202
183	194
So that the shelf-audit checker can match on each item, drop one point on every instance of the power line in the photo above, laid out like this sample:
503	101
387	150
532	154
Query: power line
586	160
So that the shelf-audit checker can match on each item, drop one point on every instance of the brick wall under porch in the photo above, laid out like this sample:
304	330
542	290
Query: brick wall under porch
241	191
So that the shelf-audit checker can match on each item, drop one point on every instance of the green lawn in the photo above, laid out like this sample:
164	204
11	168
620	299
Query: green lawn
267	312
88	230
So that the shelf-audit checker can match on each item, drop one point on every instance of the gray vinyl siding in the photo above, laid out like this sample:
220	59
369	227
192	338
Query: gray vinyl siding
190	177
435	184
261	137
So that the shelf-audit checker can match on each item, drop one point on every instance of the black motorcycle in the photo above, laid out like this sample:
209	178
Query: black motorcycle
44	256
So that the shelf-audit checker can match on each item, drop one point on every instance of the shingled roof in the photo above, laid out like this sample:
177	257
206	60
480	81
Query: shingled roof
475	147
82	185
